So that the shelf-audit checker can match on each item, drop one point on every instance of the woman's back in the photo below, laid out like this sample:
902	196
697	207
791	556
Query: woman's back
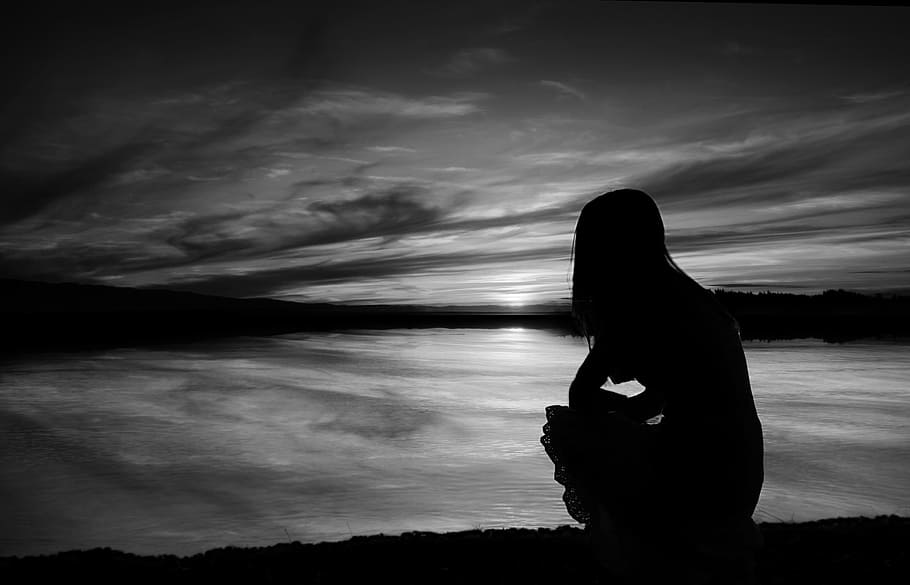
710	429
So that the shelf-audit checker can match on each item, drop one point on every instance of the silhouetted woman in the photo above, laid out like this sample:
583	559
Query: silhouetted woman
666	481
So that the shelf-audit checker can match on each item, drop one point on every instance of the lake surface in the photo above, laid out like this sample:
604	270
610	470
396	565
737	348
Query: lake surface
252	441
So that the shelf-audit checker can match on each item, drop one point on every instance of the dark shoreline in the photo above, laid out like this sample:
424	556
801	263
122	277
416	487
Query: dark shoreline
40	317
832	551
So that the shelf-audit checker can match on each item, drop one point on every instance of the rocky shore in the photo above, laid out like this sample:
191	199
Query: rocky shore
841	550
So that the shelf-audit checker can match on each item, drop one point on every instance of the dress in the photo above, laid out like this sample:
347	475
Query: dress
603	460
583	449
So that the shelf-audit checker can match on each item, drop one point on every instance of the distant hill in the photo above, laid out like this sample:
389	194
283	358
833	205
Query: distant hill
40	316
18	296
834	315
47	316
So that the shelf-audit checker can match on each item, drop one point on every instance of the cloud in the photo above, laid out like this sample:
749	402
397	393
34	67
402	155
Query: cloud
453	169
372	270
853	154
391	149
246	232
873	96
27	194
564	89
345	104
262	248
564	213
398	209
246	181
563	158
469	61
812	259
243	234
774	232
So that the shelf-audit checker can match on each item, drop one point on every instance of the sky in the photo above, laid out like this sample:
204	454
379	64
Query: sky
439	153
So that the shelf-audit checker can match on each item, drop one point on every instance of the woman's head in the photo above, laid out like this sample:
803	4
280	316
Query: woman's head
620	232
621	266
619	239
619	254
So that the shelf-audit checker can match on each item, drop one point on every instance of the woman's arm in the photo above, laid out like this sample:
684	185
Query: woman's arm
586	394
591	375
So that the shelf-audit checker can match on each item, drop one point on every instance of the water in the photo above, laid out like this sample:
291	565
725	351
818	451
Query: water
252	441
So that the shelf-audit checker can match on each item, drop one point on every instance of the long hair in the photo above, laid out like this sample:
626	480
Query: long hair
621	265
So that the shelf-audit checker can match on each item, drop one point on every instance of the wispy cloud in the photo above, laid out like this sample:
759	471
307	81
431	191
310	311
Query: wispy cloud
469	61
452	169
378	278
837	152
872	96
564	89
392	149
355	103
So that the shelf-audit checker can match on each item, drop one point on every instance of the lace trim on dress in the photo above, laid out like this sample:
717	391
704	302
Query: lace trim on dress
572	496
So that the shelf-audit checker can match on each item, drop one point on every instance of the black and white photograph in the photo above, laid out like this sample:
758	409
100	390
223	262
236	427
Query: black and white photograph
504	291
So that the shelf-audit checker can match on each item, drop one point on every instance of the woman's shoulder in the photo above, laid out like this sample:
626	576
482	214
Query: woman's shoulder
692	316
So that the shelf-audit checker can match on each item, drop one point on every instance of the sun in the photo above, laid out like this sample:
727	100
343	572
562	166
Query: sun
515	300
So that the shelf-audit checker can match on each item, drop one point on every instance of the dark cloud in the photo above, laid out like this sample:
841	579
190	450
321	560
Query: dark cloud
856	157
27	194
390	212
207	237
394	211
